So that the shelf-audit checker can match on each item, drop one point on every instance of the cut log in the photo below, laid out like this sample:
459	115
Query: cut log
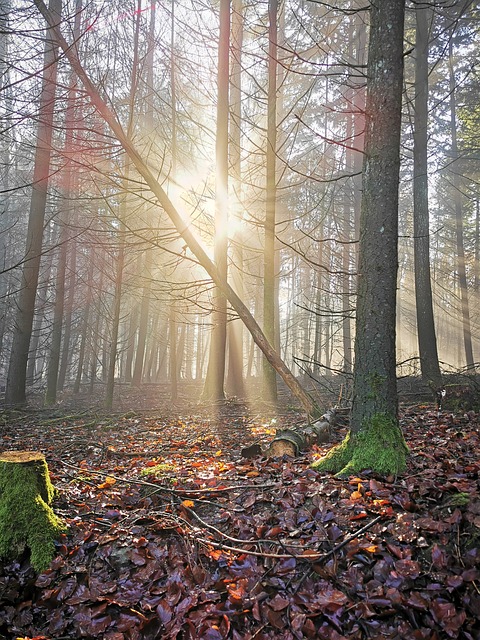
291	442
26	517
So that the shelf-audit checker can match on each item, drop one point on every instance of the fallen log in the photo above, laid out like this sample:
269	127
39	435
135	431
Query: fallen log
291	442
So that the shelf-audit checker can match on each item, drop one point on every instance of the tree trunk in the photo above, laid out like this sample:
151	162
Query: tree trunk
427	340
172	341
64	216
26	517
143	322
214	382
15	393
66	358
85	324
457	196
269	320
117	302
375	440
235	383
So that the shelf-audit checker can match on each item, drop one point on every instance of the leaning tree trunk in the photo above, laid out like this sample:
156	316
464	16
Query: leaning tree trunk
26	517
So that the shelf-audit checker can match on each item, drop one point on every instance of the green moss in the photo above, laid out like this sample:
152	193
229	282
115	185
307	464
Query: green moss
376	382
160	470
459	500
379	446
26	517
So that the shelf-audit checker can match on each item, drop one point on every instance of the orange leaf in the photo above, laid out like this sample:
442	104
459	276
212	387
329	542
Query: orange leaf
372	548
356	495
381	503
109	481
252	474
309	553
187	503
359	516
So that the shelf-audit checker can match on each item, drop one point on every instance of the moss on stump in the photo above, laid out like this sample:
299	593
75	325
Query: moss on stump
379	446
26	517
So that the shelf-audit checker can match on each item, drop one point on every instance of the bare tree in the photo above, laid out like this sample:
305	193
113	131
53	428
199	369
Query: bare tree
427	340
16	381
214	382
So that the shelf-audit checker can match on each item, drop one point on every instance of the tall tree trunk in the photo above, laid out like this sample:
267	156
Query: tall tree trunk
374	376
63	220
457	197
269	373
145	304
69	303
16	380
131	336
143	322
172	341
214	382
375	440
235	383
120	261
427	340
115	324
7	165
85	324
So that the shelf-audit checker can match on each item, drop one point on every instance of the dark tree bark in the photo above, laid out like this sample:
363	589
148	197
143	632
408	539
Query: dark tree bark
15	393
375	440
427	340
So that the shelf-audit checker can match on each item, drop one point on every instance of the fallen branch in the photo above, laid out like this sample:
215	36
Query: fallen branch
308	554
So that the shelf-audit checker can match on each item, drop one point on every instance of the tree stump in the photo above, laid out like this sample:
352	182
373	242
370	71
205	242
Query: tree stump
26	517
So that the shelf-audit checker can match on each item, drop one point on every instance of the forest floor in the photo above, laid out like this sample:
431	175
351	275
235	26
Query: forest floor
172	534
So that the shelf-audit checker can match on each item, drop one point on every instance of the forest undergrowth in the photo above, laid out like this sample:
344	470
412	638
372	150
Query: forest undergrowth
173	534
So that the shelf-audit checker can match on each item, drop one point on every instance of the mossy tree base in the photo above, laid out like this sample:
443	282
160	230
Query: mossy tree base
379	446
26	517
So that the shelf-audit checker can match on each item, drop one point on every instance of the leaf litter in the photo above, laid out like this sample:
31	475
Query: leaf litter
173	535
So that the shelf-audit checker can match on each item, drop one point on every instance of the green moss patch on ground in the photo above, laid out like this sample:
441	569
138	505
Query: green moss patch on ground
378	446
